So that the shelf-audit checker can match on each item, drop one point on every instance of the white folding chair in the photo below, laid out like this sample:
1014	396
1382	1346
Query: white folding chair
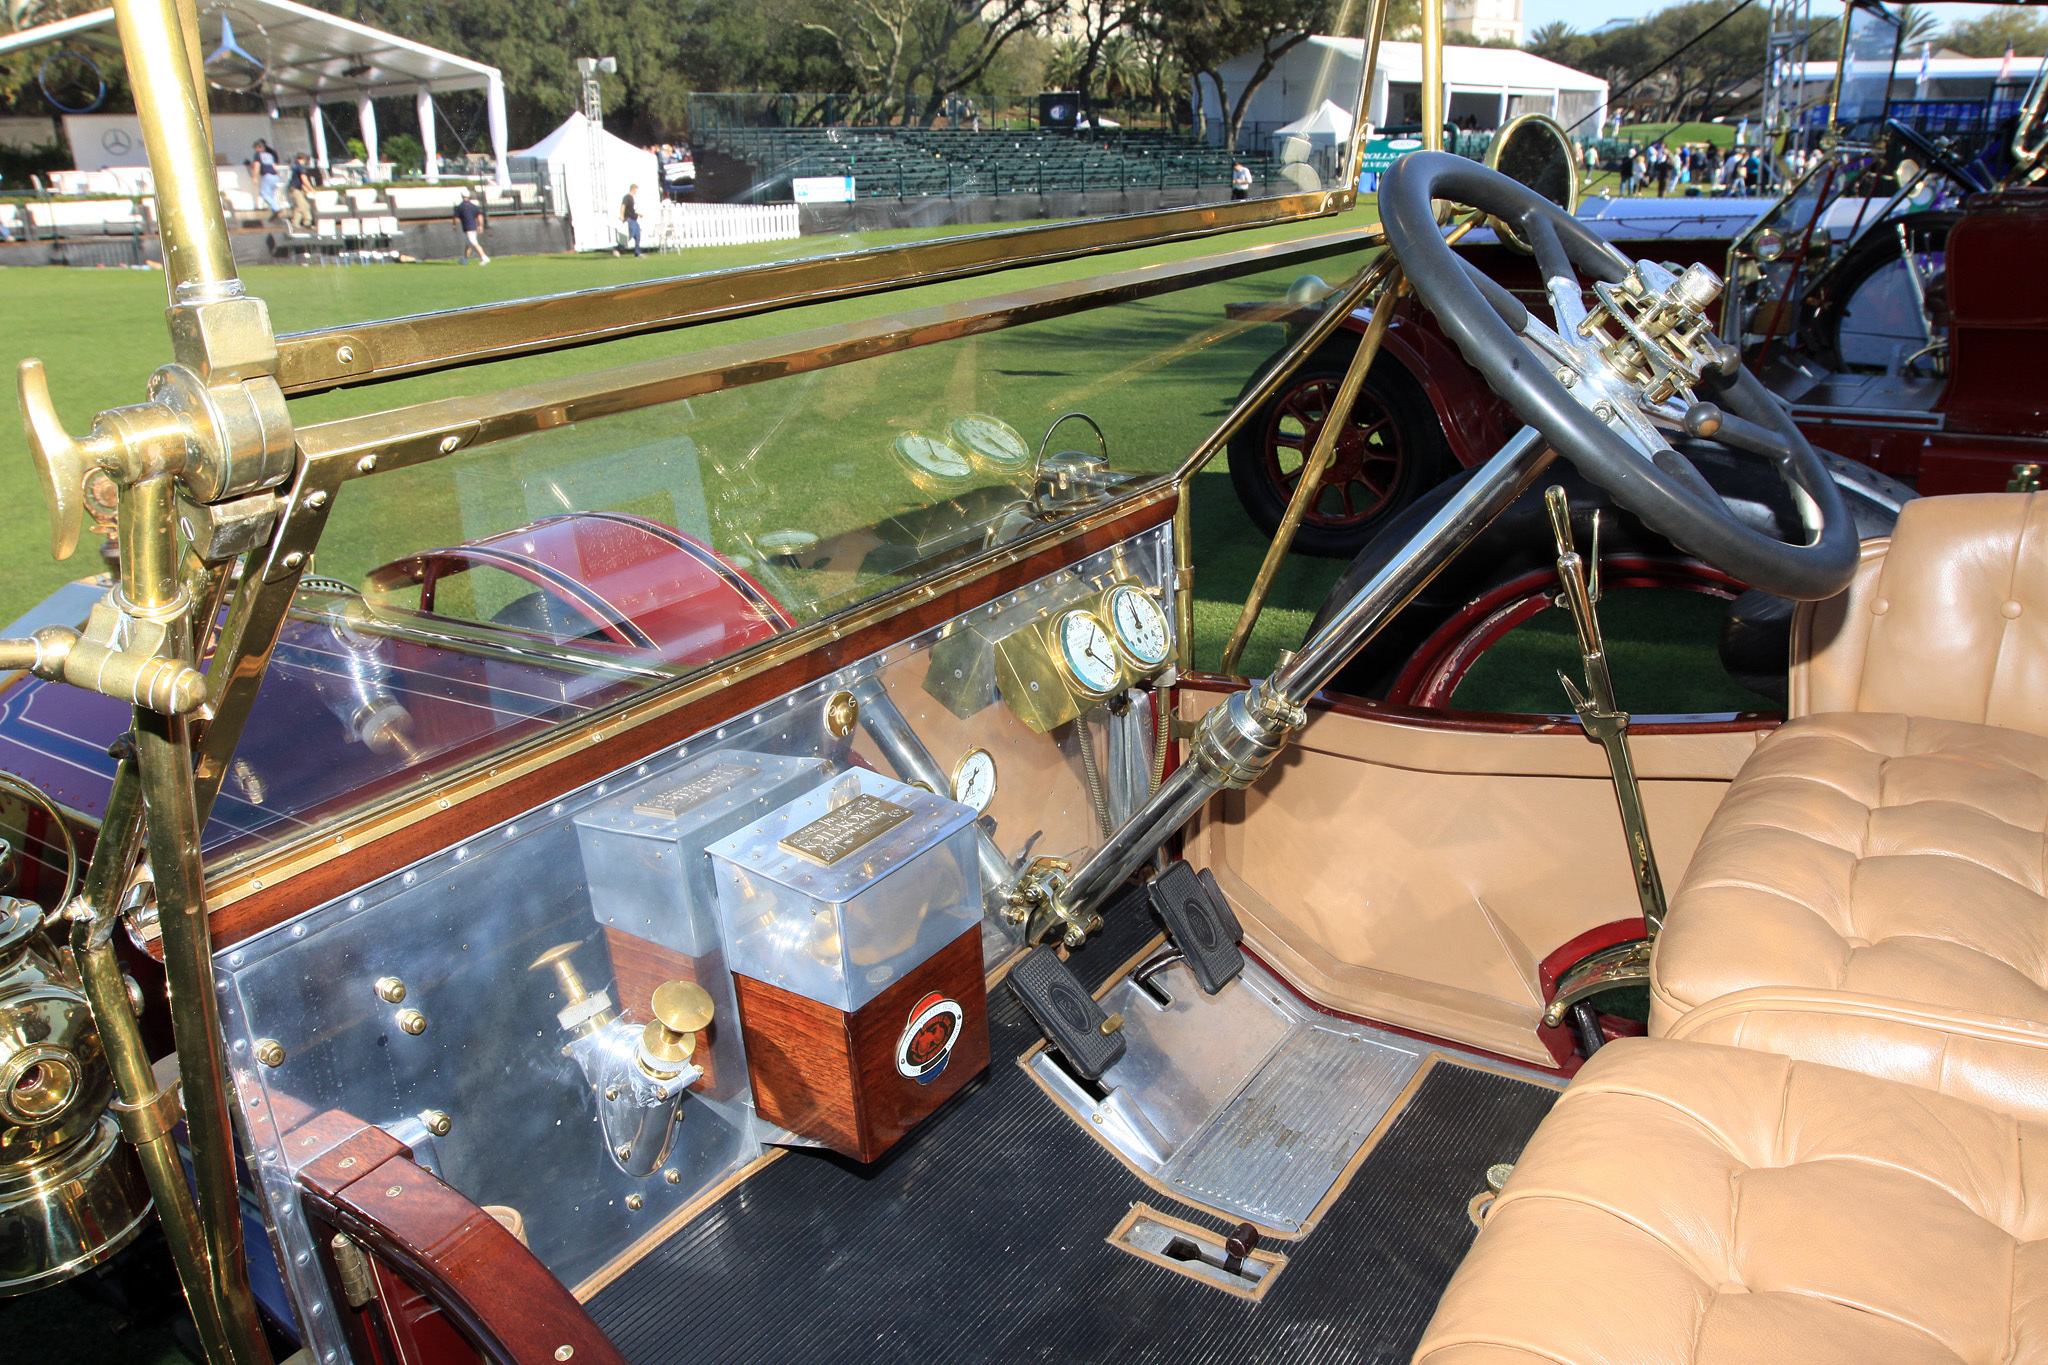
351	241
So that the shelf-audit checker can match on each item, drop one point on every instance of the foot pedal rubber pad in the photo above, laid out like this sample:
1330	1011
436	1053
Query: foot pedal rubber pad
1201	925
1071	1020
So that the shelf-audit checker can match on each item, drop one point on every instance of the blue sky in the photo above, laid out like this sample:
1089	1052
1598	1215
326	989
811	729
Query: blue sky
1590	14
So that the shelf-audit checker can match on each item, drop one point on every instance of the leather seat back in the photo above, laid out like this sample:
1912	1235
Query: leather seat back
1947	620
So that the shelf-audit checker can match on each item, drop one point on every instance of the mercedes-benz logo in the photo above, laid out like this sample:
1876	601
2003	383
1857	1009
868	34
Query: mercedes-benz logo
116	142
235	63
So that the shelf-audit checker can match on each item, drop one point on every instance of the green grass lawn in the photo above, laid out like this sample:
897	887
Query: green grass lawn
1722	135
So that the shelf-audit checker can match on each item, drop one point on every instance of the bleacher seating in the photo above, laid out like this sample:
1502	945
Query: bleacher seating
914	162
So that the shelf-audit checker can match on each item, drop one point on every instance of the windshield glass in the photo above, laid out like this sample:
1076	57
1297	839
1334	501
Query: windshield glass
1863	99
462	605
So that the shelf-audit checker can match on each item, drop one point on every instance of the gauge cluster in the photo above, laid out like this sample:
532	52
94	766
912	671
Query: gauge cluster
1072	657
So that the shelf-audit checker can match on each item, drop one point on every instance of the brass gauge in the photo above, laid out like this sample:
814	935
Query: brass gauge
1086	653
993	444
934	463
1139	625
974	780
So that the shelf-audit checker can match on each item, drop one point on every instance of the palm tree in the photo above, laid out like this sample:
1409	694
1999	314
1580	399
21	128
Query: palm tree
1917	24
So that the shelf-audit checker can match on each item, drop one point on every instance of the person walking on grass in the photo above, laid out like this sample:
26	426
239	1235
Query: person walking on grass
305	176
469	216
629	214
269	182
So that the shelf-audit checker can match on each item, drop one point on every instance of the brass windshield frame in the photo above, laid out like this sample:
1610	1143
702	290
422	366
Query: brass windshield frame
326	358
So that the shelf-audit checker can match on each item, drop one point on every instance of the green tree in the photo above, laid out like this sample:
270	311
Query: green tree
1205	34
1989	36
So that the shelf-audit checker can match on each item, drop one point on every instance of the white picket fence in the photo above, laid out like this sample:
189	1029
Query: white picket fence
685	225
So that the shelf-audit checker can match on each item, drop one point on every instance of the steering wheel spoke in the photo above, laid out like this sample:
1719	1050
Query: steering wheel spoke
1617	377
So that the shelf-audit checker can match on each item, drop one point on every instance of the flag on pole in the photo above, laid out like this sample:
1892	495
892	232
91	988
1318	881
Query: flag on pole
2005	65
1920	83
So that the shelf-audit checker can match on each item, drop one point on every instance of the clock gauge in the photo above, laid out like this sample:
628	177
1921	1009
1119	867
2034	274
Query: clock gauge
1087	653
934	463
974	780
992	443
1139	624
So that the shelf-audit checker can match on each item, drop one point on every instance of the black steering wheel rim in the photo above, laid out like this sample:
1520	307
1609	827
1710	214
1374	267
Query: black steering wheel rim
1486	323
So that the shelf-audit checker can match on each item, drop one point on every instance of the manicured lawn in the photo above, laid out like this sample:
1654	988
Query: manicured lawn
1722	135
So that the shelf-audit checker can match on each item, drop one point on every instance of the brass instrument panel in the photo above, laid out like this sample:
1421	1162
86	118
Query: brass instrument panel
1072	657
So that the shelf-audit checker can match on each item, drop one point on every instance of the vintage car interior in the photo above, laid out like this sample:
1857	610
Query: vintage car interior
682	822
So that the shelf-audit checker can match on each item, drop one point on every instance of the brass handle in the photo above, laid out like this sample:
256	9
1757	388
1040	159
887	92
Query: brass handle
682	1010
61	654
61	461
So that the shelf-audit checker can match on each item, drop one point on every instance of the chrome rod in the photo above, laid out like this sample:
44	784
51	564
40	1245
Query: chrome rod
1240	739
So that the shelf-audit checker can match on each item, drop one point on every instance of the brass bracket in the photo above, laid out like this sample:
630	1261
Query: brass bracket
146	1122
1038	902
1624	964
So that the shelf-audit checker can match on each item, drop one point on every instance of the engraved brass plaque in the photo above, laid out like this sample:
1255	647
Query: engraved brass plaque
668	805
840	831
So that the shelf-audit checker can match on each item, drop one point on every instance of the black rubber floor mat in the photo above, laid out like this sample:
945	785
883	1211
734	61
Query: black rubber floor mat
981	1238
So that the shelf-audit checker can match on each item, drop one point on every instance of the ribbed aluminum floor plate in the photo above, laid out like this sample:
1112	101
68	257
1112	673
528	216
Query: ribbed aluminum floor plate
1281	1145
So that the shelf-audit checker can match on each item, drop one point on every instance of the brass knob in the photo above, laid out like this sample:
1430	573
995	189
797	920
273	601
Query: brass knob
842	711
60	460
682	1009
573	989
683	1006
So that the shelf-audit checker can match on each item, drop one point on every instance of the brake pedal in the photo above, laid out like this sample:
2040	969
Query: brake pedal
1072	1021
1200	922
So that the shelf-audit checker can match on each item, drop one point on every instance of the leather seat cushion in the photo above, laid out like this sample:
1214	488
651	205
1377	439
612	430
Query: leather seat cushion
1882	855
1697	1204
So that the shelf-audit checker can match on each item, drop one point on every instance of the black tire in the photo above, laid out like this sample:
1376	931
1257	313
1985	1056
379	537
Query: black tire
1877	251
1399	454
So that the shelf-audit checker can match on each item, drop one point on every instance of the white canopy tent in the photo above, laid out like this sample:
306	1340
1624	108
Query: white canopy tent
595	175
1329	123
300	59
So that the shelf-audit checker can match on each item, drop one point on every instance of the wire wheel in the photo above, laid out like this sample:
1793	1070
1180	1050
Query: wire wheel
1388	453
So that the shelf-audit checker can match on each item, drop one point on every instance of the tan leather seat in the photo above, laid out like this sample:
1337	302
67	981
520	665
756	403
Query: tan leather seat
1703	1205
1873	891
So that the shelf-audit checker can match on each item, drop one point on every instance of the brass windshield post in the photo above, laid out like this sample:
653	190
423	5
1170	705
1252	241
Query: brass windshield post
213	431
1433	110
1624	964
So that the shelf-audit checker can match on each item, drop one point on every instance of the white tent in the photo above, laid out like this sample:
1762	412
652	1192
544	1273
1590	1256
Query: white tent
596	178
1330	123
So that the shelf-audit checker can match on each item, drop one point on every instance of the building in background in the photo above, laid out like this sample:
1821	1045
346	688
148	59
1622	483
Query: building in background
1488	20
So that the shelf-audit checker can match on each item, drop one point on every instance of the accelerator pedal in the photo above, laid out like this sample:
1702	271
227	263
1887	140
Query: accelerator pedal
1073	1023
1200	922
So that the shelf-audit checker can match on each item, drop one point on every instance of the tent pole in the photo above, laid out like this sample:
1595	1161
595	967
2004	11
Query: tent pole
424	103
318	125
366	111
494	102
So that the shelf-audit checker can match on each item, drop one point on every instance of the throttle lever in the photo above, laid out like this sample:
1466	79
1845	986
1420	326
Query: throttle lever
61	654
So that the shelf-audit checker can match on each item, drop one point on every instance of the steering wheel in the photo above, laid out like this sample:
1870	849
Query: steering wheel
1612	379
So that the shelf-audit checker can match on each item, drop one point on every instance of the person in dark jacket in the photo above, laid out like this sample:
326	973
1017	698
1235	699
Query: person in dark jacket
469	216
629	214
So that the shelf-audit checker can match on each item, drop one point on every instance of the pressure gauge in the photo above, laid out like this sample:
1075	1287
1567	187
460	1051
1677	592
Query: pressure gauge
974	780
1139	624
1087	653
992	443
934	463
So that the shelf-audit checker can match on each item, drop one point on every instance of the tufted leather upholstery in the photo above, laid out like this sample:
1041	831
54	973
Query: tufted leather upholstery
1700	1205
1870	893
1947	620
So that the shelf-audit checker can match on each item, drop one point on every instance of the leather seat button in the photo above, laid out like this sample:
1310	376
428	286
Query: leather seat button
1878	606
2009	610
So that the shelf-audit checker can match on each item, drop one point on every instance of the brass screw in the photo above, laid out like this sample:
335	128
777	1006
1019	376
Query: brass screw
344	1163
1112	1024
390	989
436	1121
412	1021
270	1052
624	1151
634	1201
564	1352
394	1192
346	355
673	1177
448	444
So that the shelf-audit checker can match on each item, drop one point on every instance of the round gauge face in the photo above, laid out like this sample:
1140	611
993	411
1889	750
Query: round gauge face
992	442
933	460
974	780
1139	624
1088	652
